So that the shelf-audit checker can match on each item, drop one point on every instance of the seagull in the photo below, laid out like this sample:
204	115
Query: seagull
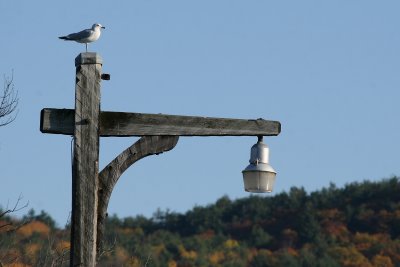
85	36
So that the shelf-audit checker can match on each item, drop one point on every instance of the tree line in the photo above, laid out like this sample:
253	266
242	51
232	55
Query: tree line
356	225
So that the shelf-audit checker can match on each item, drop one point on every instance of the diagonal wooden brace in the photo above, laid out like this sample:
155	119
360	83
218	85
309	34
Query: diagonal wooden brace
108	177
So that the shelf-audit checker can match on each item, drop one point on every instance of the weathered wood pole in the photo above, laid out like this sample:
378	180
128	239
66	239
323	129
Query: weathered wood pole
85	163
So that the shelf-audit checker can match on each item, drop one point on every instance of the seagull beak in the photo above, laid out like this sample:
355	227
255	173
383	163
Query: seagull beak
103	27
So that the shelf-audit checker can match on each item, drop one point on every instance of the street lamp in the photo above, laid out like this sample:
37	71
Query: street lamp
91	190
259	176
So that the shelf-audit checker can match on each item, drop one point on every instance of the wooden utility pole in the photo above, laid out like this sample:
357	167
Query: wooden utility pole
85	167
91	189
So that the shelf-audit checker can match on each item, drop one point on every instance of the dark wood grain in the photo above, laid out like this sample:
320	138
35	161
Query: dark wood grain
85	162
59	121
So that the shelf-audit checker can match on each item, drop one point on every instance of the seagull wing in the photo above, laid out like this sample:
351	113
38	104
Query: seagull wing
78	36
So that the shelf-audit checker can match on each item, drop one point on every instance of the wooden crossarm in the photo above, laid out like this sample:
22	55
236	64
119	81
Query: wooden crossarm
61	121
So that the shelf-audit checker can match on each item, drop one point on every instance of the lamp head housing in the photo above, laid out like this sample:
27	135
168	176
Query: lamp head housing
259	176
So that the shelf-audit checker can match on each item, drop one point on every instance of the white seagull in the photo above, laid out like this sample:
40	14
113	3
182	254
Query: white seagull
85	36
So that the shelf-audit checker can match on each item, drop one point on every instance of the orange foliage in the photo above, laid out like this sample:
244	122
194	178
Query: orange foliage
134	262
231	243
4	227
190	255
126	231
33	227
216	257
207	235
397	214
292	252
350	257
10	255
121	254
333	224
385	215
251	253
265	253
17	264
392	251
231	255
158	249
61	246
364	241
382	261
32	250
246	224
331	214
172	263
289	237
337	230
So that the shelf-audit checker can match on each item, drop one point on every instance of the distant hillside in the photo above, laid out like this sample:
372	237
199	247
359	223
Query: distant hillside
358	225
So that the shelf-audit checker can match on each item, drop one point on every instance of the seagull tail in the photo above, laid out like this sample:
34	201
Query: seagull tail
64	38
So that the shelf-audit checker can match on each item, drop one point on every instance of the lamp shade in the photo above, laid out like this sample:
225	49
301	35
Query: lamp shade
259	176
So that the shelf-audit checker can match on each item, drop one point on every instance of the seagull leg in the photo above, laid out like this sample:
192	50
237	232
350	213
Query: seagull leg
86	46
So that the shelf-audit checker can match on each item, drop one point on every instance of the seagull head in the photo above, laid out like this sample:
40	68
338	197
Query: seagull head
97	26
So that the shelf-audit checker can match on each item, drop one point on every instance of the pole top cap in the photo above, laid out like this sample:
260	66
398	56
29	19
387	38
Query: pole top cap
88	58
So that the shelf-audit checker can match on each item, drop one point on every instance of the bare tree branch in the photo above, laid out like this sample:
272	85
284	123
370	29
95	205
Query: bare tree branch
105	250
147	260
8	102
17	207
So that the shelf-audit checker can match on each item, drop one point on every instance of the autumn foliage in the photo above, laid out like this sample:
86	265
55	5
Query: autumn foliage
357	225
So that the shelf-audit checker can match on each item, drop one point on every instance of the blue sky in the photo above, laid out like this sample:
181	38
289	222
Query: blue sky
329	71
